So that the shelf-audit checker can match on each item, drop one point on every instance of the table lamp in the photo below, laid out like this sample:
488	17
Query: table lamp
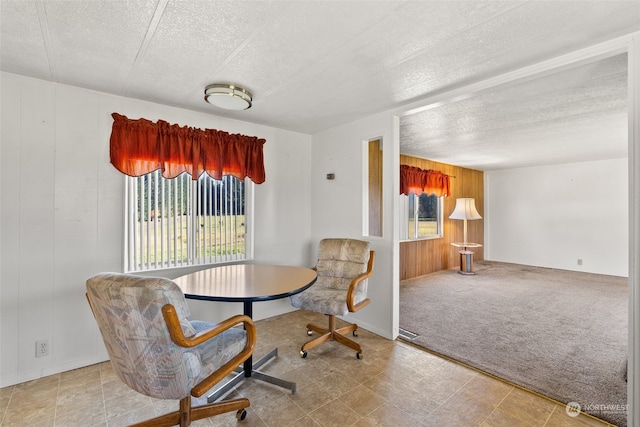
466	210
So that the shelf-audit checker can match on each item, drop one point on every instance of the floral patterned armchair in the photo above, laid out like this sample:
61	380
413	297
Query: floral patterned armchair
156	350
343	267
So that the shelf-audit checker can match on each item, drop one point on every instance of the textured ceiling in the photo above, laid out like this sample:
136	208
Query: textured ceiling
576	114
312	65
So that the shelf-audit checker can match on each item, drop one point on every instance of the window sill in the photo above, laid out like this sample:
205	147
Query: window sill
421	238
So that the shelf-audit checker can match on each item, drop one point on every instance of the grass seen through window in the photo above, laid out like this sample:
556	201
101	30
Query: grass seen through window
180	222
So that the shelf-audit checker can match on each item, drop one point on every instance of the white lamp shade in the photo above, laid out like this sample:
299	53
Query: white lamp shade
465	209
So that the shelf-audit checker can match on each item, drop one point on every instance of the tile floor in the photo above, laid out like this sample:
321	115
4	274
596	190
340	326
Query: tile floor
395	384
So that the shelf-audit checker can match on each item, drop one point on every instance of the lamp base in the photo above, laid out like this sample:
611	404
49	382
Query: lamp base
466	263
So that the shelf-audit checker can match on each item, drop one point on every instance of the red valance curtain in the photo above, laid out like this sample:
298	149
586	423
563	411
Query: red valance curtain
141	146
418	181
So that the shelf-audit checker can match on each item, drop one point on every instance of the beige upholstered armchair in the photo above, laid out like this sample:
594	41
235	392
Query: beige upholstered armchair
156	350
343	267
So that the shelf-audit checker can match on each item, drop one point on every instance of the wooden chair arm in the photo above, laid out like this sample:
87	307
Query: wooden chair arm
354	285
178	337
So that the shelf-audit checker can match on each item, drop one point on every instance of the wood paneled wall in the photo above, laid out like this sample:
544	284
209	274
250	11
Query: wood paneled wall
375	188
421	257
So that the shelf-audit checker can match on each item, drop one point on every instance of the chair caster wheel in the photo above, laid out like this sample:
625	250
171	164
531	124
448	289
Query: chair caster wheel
309	332
354	333
303	354
359	356
241	414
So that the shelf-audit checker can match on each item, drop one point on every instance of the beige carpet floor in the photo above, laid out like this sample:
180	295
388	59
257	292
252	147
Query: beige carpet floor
560	333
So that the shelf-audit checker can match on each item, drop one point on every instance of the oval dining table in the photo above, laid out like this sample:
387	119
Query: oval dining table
247	283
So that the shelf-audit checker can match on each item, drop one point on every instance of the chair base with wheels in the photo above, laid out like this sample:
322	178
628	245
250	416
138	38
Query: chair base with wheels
332	334
187	414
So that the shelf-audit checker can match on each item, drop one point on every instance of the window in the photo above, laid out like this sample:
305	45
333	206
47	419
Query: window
422	216
183	222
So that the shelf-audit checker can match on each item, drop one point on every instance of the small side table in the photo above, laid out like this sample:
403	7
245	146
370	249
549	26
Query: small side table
466	256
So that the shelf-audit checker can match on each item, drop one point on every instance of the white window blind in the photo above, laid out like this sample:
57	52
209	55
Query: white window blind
183	222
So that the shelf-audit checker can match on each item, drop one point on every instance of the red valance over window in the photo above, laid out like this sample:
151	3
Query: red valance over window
418	181
141	146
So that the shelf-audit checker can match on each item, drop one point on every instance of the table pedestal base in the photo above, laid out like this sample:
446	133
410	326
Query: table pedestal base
466	263
241	374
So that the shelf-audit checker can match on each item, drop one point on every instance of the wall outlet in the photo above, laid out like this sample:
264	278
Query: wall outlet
42	348
579	261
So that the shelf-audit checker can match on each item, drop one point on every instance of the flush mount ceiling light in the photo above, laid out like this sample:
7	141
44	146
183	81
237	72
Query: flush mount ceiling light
227	96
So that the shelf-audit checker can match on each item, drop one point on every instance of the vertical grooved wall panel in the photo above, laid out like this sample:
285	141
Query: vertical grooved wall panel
421	257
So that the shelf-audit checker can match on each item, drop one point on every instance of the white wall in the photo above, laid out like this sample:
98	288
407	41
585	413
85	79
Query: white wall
62	216
337	208
551	216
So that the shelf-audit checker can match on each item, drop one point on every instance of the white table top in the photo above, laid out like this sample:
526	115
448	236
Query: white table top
246	282
466	245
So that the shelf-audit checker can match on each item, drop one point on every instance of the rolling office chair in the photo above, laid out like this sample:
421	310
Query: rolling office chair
343	267
157	351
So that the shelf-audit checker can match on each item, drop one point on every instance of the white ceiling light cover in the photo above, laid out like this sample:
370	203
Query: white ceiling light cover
228	96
